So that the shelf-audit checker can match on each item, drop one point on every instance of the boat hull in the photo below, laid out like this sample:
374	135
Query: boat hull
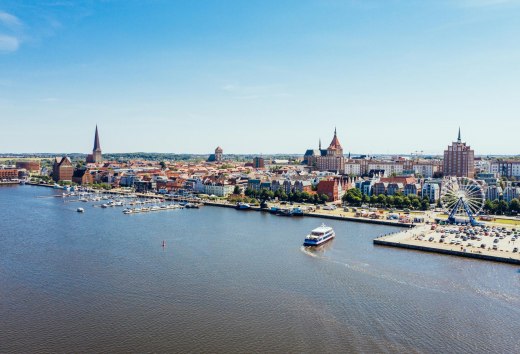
314	243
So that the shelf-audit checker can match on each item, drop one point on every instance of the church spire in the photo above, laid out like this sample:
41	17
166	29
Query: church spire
459	140
97	146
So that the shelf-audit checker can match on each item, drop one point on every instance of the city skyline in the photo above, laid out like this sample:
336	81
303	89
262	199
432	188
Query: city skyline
259	77
417	153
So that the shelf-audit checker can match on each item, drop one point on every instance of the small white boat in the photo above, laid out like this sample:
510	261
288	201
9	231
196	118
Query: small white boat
243	206
80	210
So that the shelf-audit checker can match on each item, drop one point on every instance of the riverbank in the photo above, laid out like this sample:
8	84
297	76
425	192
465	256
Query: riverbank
322	215
424	239
332	214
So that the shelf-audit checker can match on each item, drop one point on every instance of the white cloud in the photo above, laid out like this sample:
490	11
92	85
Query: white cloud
9	43
9	20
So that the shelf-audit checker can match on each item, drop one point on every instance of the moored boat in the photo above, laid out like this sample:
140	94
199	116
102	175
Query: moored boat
319	236
243	206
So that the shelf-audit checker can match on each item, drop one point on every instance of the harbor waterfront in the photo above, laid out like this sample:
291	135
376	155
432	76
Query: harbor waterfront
223	280
503	248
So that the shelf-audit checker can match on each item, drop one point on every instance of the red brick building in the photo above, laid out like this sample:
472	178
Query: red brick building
82	176
62	169
9	173
30	166
330	188
459	160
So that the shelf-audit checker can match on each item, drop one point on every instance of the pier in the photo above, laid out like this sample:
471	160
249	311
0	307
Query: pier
425	239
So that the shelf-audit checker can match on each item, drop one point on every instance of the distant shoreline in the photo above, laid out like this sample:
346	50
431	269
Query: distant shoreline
310	214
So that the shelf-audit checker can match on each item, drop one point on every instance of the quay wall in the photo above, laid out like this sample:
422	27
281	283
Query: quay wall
311	214
448	252
324	216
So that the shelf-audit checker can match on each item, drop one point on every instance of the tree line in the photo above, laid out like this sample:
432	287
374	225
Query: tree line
296	196
502	207
354	197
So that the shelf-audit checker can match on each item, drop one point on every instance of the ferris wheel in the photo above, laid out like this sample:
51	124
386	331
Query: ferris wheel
462	197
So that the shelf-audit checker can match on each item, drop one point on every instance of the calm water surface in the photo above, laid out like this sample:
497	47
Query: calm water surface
232	281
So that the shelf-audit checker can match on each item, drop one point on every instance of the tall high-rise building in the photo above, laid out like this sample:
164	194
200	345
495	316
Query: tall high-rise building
459	160
96	156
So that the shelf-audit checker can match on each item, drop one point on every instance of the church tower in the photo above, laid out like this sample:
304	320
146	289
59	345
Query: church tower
335	148
96	152
96	156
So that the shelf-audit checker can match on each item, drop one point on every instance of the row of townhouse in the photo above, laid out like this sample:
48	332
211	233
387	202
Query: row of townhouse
333	186
495	192
363	167
506	168
288	186
392	186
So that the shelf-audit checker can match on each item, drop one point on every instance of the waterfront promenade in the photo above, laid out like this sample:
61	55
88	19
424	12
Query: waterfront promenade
422	238
337	214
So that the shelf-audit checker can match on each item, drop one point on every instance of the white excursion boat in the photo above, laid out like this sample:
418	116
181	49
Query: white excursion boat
319	236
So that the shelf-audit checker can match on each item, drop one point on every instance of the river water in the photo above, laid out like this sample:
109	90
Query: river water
234	281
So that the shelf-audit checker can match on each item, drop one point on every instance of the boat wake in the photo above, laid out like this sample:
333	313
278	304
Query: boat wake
310	253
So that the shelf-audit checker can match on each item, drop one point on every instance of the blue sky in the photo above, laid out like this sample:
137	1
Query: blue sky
259	76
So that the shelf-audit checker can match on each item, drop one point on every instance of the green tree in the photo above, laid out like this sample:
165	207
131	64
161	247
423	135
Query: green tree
489	207
398	201
353	197
514	206
236	190
406	202
381	200
163	165
502	207
324	198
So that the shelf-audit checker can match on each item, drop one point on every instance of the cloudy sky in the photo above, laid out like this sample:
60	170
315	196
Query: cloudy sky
259	76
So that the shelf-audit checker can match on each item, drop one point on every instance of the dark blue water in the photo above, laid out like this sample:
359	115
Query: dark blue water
234	281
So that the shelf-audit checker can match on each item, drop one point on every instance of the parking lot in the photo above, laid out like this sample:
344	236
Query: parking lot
468	238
